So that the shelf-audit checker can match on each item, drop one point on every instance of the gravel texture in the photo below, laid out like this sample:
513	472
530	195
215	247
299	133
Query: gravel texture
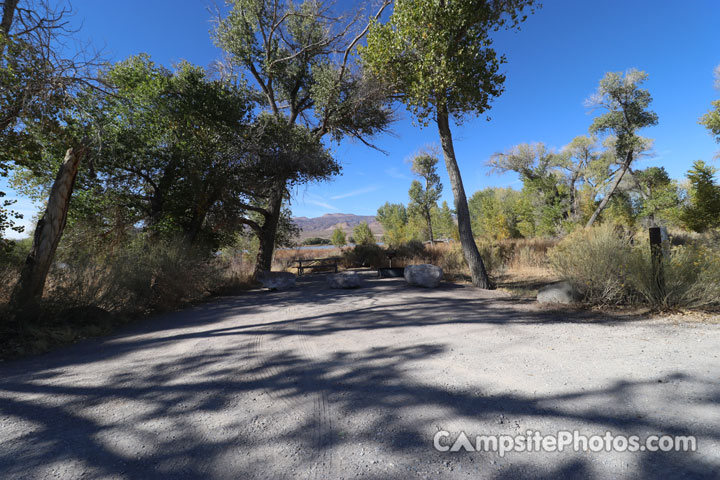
331	384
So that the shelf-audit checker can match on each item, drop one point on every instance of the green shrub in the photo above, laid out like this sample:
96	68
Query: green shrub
609	266
596	262
691	273
316	241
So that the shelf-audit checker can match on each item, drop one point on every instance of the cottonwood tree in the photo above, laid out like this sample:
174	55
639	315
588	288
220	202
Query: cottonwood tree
362	235
424	198
577	159
338	237
495	213
543	187
299	59
394	219
437	58
627	113
173	147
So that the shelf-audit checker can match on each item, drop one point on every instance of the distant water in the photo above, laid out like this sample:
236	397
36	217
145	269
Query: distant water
319	247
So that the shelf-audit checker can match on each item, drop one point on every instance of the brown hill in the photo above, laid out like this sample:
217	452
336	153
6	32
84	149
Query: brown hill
323	226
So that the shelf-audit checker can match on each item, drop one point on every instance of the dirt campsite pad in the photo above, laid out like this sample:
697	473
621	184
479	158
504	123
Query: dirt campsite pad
329	384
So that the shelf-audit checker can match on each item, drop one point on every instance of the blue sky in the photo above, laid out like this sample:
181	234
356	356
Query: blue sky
554	63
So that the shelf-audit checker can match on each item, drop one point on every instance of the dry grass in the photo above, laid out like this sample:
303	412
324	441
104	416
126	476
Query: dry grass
88	294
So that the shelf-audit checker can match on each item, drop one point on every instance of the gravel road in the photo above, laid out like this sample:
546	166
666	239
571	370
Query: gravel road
330	384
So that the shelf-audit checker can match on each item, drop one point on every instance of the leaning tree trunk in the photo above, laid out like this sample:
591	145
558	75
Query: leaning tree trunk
268	230
48	231
467	240
613	187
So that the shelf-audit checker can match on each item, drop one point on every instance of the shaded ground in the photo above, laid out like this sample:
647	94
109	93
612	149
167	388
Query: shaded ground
319	383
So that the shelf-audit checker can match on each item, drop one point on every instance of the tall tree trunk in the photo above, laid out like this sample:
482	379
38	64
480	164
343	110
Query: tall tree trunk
613	187
8	13
268	230
572	213
48	232
430	230
428	212
467	240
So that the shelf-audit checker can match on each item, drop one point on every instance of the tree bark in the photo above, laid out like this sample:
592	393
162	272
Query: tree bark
428	213
572	214
428	218
467	240
8	14
268	230
48	232
613	187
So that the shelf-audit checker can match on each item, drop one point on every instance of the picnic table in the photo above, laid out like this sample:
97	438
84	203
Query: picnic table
314	264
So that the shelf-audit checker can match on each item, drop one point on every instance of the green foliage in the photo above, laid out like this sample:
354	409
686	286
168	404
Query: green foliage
181	154
316	241
7	218
627	112
338	238
609	266
619	210
703	210
12	257
440	53
596	262
494	213
443	222
657	197
167	151
423	199
691	273
711	120
394	219
363	235
546	198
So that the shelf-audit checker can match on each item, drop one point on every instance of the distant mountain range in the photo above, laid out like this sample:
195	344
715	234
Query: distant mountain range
323	226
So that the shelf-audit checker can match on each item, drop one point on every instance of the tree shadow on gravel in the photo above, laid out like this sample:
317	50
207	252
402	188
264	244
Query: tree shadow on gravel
184	417
200	414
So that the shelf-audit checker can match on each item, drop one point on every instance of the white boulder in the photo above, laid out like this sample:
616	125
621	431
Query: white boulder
424	275
561	292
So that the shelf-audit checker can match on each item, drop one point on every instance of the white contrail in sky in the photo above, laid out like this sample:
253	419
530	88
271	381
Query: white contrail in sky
355	192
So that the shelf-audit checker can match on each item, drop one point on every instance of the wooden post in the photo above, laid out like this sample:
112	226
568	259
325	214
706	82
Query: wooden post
656	252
